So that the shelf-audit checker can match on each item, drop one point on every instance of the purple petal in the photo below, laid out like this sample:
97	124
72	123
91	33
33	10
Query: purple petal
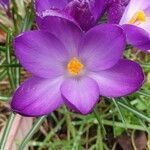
124	2
85	13
4	3
102	47
41	53
115	13
37	97
49	4
53	13
115	9
122	79
137	37
68	33
96	7
80	11
80	94
121	2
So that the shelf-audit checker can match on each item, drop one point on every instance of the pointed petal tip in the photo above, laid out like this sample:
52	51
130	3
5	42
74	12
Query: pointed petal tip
75	96
33	98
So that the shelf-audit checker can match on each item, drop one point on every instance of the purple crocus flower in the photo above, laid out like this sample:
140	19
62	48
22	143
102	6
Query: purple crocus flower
84	12
72	67
136	23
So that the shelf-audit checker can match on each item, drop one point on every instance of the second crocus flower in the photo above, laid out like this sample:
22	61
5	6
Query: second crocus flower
84	12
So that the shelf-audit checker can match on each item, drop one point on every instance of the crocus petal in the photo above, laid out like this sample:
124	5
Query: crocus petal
4	3
37	97
49	4
122	2
102	47
147	11
67	31
81	12
115	9
73	90
54	13
41	53
120	80
125	2
85	13
115	12
145	26
96	7
137	37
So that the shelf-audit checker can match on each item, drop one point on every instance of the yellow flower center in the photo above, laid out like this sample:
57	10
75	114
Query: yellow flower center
138	17
74	66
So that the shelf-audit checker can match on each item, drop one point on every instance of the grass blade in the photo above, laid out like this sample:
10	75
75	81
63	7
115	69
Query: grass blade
35	127
134	111
119	110
6	131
